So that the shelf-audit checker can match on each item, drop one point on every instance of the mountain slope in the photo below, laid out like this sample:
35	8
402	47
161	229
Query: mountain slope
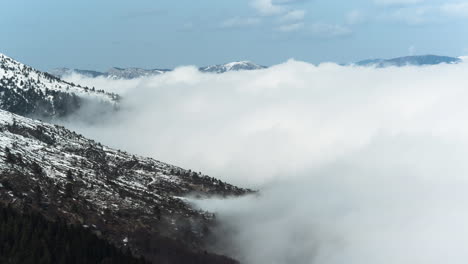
409	60
131	201
29	92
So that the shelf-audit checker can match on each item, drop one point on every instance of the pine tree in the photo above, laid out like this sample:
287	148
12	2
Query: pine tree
69	175
10	158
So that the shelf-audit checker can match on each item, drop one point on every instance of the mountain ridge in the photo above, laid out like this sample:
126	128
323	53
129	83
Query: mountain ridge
134	72
419	60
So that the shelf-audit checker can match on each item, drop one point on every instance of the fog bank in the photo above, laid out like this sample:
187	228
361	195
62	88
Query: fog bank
355	165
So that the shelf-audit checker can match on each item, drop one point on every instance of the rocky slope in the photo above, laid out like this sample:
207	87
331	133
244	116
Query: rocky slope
129	200
29	92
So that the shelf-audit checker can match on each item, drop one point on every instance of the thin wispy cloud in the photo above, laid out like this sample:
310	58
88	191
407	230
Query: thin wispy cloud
455	9
288	1
410	15
411	50
398	2
293	15
292	19
267	7
236	22
143	14
329	30
291	27
354	17
414	13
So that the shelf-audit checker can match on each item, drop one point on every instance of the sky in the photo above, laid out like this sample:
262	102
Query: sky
90	34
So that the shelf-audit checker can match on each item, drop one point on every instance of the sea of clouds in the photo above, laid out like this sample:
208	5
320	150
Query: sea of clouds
354	165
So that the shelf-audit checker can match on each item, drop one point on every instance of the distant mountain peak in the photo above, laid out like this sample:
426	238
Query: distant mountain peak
232	66
132	72
419	60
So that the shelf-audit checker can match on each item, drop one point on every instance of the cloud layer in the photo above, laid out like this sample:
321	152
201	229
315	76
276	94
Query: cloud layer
355	165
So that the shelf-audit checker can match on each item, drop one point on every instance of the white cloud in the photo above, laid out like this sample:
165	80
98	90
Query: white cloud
231	112
455	9
329	30
277	7
293	15
356	165
355	17
283	10
410	15
291	27
240	22
411	50
267	7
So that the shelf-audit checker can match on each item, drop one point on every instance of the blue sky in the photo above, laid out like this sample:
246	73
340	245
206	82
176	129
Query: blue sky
98	34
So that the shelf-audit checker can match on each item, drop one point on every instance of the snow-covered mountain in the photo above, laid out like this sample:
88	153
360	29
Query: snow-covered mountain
409	60
132	73
27	91
129	200
113	73
233	66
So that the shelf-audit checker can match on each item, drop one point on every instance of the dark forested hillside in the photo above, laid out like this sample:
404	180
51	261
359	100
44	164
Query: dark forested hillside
132	202
29	238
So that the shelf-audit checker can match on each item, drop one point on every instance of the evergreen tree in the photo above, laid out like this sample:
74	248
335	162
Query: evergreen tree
10	158
69	175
